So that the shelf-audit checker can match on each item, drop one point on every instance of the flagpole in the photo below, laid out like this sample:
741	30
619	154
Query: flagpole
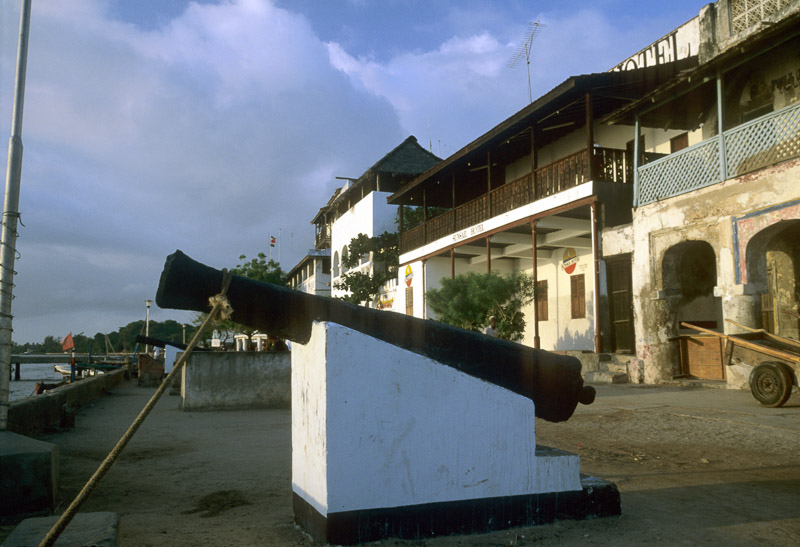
8	239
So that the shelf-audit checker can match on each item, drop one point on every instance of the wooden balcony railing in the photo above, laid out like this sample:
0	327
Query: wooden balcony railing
610	165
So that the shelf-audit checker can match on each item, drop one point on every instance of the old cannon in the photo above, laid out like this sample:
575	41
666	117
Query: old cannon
552	381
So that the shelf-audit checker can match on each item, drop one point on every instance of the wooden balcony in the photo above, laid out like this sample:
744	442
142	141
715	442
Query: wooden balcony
759	143
609	165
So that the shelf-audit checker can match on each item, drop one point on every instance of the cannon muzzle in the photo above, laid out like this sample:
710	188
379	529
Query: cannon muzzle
552	381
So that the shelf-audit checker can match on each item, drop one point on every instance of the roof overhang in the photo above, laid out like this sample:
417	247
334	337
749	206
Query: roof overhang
555	114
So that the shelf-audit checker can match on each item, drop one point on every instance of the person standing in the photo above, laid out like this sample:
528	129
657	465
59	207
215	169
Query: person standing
491	328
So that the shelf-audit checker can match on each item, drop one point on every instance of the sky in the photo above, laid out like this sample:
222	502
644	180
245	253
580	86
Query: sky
209	126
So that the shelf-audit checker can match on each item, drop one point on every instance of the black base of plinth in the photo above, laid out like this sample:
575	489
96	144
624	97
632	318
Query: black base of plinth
598	498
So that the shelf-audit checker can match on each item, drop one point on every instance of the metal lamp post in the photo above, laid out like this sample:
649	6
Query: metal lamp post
8	239
147	324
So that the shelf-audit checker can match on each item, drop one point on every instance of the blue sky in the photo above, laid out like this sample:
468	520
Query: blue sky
153	125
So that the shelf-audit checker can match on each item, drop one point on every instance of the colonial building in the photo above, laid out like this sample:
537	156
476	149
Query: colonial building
533	194
715	235
360	207
313	273
661	191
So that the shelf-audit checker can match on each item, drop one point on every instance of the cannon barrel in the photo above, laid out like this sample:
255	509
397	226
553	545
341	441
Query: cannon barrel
552	381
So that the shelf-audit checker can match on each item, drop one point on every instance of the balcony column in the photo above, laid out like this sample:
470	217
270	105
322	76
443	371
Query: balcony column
489	183
590	135
636	130
488	255
453	263
598	340
533	164
401	218
424	216
453	200
424	289
536	340
723	168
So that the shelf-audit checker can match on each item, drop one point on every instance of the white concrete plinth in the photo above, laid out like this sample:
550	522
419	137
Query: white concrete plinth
377	427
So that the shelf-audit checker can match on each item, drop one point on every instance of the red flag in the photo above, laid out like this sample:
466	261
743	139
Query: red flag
67	343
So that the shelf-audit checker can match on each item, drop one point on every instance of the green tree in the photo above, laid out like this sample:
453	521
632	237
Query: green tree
261	269
366	286
468	300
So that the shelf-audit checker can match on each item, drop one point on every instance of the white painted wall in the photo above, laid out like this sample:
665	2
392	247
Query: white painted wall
375	426
371	216
560	331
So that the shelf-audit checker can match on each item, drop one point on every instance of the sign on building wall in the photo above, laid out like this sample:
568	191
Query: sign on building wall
681	43
569	261
409	275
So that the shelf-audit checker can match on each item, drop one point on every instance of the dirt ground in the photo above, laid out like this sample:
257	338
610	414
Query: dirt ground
694	466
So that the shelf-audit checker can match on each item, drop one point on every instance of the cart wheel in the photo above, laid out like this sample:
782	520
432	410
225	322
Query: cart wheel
771	384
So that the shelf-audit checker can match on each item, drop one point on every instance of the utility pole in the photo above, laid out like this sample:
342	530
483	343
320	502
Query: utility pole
147	323
8	238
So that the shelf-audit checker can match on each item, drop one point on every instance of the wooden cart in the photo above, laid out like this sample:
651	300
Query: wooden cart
775	361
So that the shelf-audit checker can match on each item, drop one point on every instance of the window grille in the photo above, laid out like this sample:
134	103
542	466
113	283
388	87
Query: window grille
746	13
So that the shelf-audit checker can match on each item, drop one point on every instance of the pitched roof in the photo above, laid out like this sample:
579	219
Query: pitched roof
408	158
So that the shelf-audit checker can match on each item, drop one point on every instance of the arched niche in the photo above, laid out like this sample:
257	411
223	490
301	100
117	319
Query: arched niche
773	269
689	271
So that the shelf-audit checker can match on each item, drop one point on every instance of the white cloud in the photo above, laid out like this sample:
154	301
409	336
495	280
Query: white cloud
207	134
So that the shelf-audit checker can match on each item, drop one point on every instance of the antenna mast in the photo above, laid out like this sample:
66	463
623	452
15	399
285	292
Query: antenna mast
524	50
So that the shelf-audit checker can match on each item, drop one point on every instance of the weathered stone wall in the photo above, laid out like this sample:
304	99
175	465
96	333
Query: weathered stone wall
708	215
56	407
238	379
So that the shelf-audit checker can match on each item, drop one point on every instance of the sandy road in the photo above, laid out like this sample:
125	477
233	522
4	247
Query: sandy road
694	466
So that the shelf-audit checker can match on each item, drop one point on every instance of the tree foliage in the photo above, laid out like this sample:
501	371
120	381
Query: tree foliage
260	269
365	286
122	340
468	300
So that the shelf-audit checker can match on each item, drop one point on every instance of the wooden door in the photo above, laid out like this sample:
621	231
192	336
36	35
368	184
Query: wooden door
619	289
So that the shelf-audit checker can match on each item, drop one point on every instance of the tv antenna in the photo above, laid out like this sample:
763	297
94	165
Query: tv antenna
524	50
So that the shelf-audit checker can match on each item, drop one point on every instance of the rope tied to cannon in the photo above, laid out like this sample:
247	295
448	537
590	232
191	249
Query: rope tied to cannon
220	307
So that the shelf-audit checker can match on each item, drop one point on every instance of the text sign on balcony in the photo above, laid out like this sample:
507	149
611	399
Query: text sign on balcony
468	233
681	43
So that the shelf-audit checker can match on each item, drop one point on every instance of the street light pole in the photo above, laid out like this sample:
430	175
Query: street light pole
184	332
8	239
147	324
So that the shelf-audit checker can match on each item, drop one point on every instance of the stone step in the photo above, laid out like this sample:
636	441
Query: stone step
603	377
84	529
621	368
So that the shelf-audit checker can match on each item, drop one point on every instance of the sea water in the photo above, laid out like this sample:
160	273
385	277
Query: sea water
29	375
